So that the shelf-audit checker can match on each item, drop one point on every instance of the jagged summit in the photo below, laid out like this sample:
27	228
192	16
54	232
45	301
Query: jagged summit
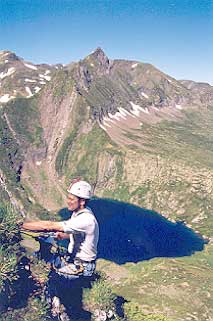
99	56
5	52
92	67
8	56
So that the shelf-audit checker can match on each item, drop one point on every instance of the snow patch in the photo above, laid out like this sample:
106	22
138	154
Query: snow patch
2	54
178	106
47	72
48	78
42	82
105	124
37	89
121	115
136	109
6	61
92	64
146	111
124	112
169	80
102	127
144	95
113	116
108	119
8	73
30	80
134	65
29	92
38	163
30	66
117	116
5	98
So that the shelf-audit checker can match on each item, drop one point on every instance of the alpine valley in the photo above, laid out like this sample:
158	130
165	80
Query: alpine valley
144	141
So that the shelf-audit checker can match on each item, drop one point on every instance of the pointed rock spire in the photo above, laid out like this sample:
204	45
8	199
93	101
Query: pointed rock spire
99	55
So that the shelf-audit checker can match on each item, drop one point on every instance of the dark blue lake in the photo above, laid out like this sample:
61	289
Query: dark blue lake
129	233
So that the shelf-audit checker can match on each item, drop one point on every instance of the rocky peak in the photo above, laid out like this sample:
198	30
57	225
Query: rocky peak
8	56
92	67
100	56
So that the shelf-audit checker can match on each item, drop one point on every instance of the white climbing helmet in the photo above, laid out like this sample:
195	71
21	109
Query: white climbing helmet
80	189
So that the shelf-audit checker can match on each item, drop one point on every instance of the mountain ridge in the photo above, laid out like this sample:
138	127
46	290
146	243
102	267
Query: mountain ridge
103	62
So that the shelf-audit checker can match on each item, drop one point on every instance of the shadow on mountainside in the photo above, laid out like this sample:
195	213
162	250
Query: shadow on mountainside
129	233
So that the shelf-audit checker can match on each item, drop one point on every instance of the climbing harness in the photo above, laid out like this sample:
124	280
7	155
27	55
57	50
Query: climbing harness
75	268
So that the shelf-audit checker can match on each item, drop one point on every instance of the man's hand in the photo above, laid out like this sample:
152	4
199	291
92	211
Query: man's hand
61	236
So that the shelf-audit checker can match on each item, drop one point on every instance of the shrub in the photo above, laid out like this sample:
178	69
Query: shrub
7	267
9	226
100	299
9	240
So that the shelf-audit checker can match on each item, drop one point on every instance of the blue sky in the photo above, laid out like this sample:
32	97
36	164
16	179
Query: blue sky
174	35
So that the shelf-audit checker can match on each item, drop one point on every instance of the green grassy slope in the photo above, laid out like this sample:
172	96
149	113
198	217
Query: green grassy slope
180	288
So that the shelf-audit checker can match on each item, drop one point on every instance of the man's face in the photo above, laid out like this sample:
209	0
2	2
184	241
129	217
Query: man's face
73	202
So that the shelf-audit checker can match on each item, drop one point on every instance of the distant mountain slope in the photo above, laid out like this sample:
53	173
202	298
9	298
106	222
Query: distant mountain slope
21	78
203	91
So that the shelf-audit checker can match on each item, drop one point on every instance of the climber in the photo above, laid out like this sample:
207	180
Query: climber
82	231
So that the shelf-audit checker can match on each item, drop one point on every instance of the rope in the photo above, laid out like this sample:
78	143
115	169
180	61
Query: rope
36	235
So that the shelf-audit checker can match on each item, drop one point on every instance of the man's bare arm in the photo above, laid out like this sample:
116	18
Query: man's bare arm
43	226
